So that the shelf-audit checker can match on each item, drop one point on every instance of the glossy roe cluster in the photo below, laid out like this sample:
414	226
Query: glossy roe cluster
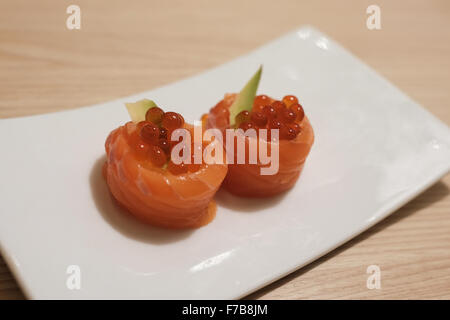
152	141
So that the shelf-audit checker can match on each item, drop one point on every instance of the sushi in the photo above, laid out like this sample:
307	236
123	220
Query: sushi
148	179
295	138
144	179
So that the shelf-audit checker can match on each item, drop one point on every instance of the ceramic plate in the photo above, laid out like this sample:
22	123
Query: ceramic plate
375	149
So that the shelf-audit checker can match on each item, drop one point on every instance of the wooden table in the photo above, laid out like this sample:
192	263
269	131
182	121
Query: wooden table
125	47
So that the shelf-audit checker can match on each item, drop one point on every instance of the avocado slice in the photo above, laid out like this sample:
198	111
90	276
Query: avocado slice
137	110
244	100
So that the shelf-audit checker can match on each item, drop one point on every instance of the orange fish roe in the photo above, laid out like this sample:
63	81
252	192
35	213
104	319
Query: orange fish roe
151	140
290	100
154	115
172	120
285	115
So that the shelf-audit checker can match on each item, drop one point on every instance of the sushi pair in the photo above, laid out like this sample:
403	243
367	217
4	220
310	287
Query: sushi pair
162	191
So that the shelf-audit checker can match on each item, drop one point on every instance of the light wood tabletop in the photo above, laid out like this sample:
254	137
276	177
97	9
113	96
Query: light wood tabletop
126	47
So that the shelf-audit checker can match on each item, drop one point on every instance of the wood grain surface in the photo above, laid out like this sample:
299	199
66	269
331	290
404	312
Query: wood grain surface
126	47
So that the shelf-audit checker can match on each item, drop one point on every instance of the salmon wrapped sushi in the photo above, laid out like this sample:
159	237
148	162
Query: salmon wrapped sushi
145	181
296	138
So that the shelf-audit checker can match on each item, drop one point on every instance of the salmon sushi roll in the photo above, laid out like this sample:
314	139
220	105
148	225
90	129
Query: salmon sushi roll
145	181
295	139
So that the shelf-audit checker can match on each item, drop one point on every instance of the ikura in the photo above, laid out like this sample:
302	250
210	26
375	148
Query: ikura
287	132
157	156
275	124
269	111
259	119
243	116
150	133
285	115
278	105
260	102
296	127
154	115
298	109
162	133
290	100
172	120
150	141
164	145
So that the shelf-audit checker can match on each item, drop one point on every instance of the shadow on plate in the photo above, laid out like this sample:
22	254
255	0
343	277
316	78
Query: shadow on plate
121	220
227	200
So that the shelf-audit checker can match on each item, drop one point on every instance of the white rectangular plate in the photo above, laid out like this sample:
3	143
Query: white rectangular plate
375	149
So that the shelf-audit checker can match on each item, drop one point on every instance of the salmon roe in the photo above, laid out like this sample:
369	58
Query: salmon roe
243	116
278	105
298	109
151	140
290	100
157	156
162	133
149	133
287	132
285	115
164	145
154	115
260	102
258	118
270	112
296	127
172	120
275	124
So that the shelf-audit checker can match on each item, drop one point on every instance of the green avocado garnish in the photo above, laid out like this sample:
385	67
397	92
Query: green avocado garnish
244	100
137	110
